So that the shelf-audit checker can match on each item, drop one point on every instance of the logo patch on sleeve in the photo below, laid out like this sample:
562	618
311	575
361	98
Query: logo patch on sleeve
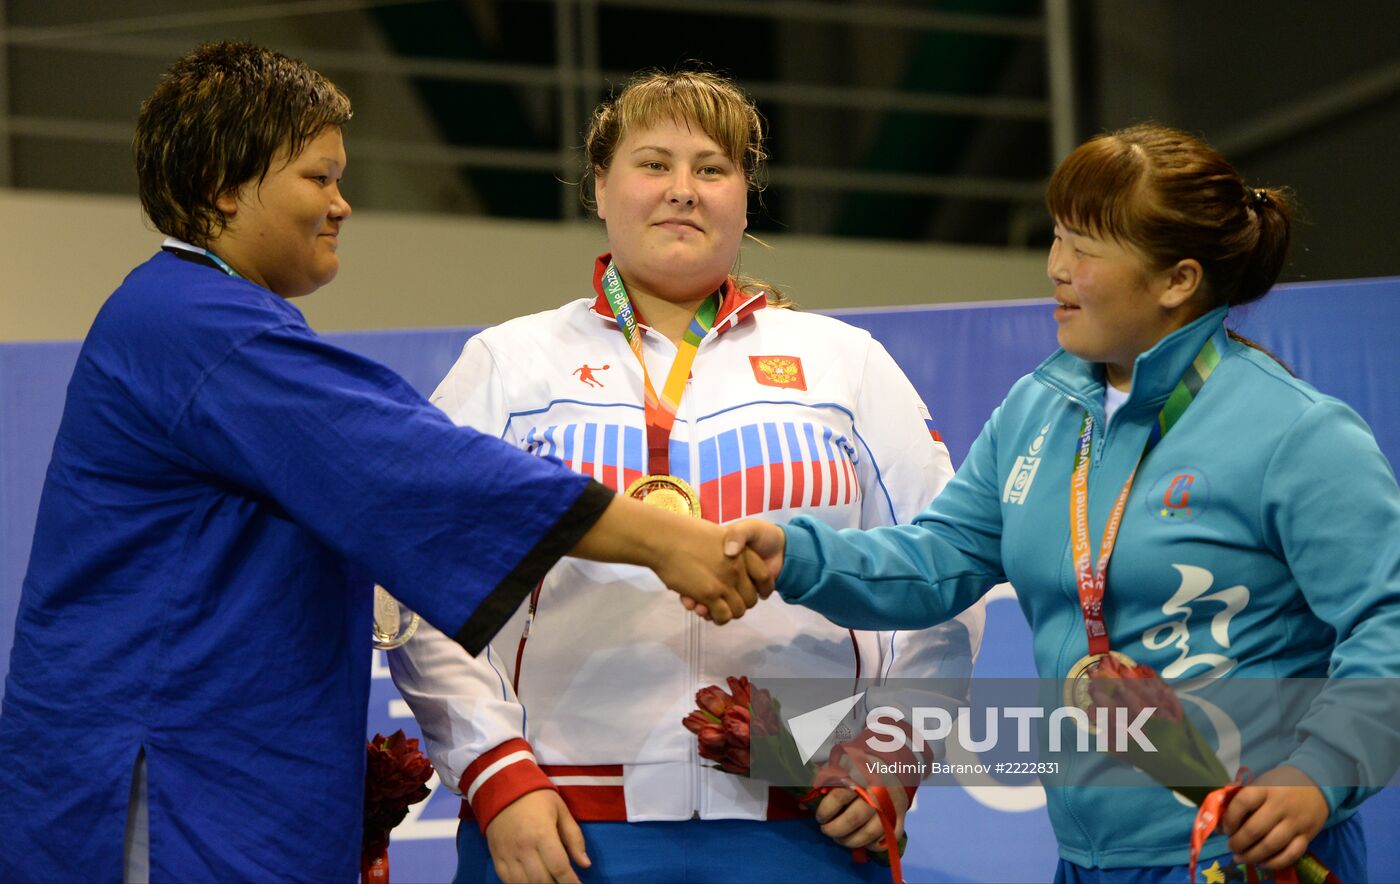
779	371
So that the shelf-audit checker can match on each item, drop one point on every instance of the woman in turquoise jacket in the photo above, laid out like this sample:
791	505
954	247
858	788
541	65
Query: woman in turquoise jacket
1257	523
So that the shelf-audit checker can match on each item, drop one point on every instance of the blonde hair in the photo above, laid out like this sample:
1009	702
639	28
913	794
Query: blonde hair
708	100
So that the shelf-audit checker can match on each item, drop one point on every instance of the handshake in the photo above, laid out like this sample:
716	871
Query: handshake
720	571
720	589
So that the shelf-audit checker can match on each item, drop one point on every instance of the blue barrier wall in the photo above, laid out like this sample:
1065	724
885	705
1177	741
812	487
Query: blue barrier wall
1340	336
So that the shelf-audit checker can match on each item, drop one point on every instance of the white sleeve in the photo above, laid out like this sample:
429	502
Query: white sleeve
468	712
902	469
473	391
464	705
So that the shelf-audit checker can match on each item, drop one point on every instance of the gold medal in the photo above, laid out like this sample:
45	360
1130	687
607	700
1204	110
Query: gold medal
669	493
1077	682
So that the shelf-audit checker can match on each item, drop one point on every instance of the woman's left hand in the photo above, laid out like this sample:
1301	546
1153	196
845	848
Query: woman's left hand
1272	820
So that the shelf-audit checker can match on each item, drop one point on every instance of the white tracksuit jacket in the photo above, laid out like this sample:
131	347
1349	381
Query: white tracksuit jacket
785	413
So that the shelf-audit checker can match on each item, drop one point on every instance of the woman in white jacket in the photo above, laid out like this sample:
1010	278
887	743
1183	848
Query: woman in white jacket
689	388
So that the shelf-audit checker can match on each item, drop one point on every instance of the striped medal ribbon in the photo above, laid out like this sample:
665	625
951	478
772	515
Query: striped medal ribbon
1090	576
660	488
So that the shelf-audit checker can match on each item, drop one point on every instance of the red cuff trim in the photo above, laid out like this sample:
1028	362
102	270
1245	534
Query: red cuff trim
499	777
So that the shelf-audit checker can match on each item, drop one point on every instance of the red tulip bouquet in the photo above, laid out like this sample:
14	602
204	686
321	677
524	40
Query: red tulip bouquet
1184	761
395	777
727	722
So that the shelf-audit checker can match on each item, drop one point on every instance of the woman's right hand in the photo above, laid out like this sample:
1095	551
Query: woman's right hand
534	838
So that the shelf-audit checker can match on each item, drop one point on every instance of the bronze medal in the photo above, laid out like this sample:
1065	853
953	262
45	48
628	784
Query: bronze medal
669	493
1076	691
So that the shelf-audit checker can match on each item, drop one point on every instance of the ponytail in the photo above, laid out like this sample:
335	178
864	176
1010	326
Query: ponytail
1271	214
1236	336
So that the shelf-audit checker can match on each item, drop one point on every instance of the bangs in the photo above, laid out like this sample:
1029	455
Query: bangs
1098	189
722	114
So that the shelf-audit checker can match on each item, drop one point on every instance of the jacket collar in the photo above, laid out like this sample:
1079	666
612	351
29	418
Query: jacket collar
1155	372
735	305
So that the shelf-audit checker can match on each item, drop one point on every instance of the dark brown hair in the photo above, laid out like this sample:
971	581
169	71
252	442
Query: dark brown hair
216	121
708	100
1172	196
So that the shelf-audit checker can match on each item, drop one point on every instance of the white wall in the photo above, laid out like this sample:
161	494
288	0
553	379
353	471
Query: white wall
61	255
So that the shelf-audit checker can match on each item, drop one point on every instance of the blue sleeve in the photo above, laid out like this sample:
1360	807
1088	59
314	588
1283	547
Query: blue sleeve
904	576
1331	505
459	526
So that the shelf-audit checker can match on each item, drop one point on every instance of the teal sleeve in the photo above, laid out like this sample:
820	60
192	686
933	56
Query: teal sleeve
904	576
1332	506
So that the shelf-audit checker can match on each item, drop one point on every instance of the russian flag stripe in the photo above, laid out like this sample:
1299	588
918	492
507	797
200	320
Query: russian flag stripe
747	470
815	464
709	461
633	457
731	483
709	479
609	456
589	455
680	460
795	459
569	452
776	466
754	470
831	467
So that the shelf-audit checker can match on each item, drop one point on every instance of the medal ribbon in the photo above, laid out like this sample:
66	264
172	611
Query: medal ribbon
1090	576
660	410
201	256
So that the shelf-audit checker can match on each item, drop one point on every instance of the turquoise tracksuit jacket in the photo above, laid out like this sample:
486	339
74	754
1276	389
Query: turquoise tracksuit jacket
1261	540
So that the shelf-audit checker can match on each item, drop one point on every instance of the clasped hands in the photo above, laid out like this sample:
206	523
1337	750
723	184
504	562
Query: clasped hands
720	571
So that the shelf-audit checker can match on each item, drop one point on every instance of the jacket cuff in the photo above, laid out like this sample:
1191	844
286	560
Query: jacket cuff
802	568
495	780
501	603
1330	771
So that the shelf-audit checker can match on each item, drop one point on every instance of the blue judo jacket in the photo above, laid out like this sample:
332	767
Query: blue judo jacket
224	491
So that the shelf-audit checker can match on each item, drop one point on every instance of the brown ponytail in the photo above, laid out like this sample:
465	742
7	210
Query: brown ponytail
1271	214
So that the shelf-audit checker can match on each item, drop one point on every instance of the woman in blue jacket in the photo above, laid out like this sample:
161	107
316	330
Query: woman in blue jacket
1257	523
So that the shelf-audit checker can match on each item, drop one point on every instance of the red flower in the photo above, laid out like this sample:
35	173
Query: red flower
736	761
736	726
395	774
722	724
696	720
740	688
766	722
1135	687
714	700
712	742
726	723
